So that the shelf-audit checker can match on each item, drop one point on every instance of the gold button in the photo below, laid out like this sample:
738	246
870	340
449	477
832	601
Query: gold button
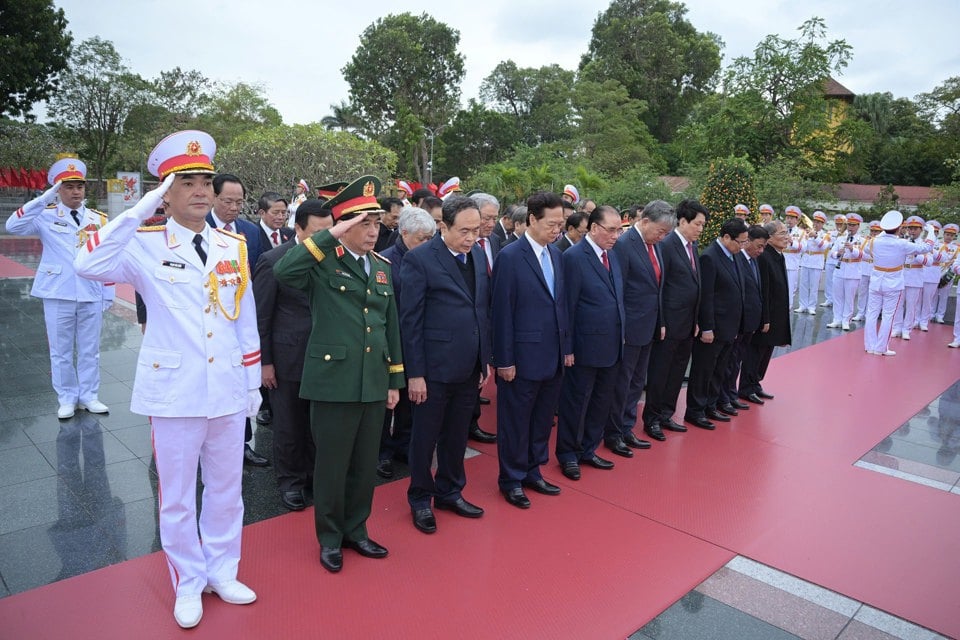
388	359
207	310
369	329
172	279
206	285
342	288
365	310
210	359
327	357
367	349
209	334
156	365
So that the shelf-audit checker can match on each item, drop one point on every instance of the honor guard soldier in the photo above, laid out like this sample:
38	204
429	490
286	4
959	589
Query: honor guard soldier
353	370
791	216
812	251
848	253
931	281
912	283
866	270
766	213
72	305
830	266
198	373
946	259
741	211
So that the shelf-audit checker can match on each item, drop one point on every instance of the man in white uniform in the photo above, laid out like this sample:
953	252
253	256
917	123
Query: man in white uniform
886	284
847	251
198	374
946	259
830	267
912	283
812	252
791	255
72	306
931	280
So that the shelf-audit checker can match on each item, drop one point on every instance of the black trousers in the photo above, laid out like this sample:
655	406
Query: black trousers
668	364
585	400
525	410
395	434
627	391
706	373
755	363
293	449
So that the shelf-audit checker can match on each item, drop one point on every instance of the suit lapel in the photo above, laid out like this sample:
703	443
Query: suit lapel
592	258
531	258
641	247
449	264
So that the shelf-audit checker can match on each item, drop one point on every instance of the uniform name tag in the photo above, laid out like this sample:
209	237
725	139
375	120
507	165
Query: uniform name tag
175	265
59	223
340	272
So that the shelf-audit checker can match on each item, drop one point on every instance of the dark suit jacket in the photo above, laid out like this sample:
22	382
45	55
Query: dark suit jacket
510	239
563	243
249	231
283	317
721	295
495	245
395	254
445	332
776	300
752	300
680	289
265	245
641	292
595	305
500	232
530	328
385	237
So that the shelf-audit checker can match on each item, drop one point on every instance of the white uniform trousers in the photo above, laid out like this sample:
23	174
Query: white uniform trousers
898	315
928	303
943	296
217	443
911	308
809	287
883	304
863	295
73	326
829	272
956	319
843	292
793	281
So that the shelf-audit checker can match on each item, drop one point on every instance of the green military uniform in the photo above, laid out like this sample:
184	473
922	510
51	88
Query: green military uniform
353	358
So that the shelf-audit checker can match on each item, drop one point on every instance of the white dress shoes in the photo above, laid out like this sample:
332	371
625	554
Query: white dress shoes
65	411
94	406
954	345
188	610
232	591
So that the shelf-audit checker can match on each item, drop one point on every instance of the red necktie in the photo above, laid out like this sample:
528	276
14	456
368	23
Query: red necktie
483	245
653	261
275	241
693	261
227	227
603	259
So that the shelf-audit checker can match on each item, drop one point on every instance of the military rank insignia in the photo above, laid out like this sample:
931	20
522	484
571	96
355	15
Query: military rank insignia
339	251
381	277
227	266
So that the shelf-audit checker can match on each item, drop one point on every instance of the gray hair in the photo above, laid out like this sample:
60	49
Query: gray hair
519	215
660	211
483	199
773	227
416	220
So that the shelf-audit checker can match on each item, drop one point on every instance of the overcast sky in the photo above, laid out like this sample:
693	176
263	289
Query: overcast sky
296	49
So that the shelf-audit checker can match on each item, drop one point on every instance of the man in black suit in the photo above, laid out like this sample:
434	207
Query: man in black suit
757	238
775	314
519	223
575	228
531	346
720	319
445	329
388	222
272	209
680	293
504	226
283	319
639	256
594	284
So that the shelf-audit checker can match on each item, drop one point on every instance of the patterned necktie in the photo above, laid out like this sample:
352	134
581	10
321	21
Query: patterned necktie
276	241
483	245
198	245
654	262
604	260
228	227
76	216
693	261
546	264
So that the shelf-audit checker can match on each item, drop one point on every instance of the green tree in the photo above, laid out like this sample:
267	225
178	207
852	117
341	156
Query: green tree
729	182
537	98
476	137
233	109
28	145
656	53
404	79
343	118
95	97
638	186
35	47
274	158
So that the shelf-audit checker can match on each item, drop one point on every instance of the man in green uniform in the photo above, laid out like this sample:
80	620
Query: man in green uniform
353	369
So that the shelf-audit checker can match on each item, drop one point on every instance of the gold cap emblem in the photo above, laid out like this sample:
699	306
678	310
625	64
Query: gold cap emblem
71	167
193	148
368	189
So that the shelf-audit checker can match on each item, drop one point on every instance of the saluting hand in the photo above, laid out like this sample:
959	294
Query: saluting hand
343	226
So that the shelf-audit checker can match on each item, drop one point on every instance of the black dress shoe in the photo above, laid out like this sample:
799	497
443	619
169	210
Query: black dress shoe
484	400
754	398
653	430
633	441
252	458
619	447
367	548
542	486
331	559
264	416
570	470
424	521
478	434
517	498
597	462
293	500
713	414
460	507
703	423
385	469
670	425
728	409
763	394
736	404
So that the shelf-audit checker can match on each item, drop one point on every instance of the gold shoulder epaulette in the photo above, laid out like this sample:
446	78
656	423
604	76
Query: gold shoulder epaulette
237	236
159	227
381	257
99	213
52	206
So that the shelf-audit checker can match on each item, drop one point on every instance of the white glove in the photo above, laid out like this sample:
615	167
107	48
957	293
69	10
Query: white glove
253	402
45	198
152	199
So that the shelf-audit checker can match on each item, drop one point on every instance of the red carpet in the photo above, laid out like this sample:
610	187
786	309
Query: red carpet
12	269
616	548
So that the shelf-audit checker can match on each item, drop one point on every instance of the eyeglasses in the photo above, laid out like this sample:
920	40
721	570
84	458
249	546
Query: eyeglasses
231	203
617	230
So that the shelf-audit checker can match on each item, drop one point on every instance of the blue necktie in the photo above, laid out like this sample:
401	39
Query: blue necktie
547	265
462	257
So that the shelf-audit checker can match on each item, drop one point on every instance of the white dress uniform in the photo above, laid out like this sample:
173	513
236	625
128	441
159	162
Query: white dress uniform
72	305
947	258
866	270
791	256
830	268
955	270
887	284
912	294
931	278
846	280
812	252
198	367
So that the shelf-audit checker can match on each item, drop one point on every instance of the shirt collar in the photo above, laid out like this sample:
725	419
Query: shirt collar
597	250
